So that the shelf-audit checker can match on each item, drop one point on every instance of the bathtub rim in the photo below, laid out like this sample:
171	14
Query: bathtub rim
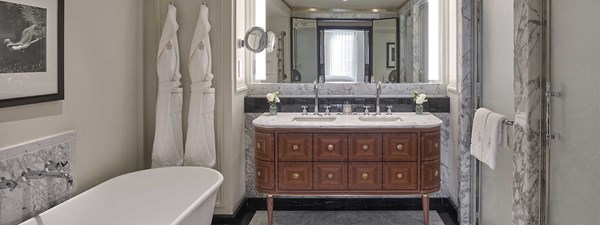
198	202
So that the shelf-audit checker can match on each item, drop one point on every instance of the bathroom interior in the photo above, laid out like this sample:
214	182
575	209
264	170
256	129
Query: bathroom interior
256	112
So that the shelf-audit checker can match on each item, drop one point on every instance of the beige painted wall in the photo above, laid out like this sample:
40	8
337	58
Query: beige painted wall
102	92
229	111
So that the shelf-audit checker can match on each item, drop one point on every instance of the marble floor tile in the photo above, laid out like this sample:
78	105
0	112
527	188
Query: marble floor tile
346	218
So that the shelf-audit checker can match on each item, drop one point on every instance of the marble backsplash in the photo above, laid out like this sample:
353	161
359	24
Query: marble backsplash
446	155
348	89
30	199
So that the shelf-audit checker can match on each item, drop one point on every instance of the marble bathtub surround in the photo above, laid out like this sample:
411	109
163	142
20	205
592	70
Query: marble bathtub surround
348	89
401	120
41	194
258	104
446	164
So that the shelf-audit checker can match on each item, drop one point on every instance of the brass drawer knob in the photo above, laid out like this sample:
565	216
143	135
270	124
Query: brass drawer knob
436	145
365	147
258	173
437	173
330	147
399	147
365	176
295	176
400	176
257	145
330	176
295	147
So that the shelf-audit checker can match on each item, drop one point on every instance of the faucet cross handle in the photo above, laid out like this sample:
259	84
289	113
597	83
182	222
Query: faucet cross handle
55	166
389	109
366	109
304	110
327	111
7	184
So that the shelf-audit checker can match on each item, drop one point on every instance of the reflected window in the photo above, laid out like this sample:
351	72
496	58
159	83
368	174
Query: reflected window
344	53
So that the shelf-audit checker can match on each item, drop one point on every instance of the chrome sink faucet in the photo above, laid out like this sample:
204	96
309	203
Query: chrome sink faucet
51	169
377	108
316	88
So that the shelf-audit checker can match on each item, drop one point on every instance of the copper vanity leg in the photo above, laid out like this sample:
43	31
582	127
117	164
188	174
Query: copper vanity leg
270	209
426	209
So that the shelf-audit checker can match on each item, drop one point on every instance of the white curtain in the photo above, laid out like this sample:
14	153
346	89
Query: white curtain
344	55
200	142
168	139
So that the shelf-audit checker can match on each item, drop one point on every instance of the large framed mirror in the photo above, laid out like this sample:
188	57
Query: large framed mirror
344	42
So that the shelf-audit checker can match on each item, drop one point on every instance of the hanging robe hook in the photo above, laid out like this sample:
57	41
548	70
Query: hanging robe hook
172	3
204	3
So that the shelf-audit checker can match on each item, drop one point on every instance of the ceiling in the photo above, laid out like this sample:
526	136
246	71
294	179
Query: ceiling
348	4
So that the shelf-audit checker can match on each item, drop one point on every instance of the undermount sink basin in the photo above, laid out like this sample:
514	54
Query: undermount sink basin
380	118
314	119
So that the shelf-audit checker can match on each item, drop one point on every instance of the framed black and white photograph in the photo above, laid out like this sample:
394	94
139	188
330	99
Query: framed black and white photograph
391	55
31	52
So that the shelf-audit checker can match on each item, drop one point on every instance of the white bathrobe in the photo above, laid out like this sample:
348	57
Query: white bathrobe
200	142
168	139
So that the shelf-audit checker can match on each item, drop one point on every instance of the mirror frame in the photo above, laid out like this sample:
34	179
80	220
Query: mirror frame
319	47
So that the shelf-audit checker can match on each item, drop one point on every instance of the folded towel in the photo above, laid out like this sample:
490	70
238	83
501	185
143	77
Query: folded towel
479	121
492	139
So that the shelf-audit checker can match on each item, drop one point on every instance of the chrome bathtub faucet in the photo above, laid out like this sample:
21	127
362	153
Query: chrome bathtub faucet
51	169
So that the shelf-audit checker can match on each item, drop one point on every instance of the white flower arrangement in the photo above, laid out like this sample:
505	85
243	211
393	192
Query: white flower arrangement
273	98
419	98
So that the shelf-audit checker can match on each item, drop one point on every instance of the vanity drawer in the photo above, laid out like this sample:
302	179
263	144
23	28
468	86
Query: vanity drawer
295	147
431	145
265	175
400	147
295	176
430	174
330	147
364	147
400	176
364	176
330	176
264	146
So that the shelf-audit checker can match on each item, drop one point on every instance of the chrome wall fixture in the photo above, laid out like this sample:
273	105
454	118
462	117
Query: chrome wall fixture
51	170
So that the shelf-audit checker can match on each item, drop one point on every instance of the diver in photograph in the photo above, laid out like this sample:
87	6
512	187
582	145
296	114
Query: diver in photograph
26	40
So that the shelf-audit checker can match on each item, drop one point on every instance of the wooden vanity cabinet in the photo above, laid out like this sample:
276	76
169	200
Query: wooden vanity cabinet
312	162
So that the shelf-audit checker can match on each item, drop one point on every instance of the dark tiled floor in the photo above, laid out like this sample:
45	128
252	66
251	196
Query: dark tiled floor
350	218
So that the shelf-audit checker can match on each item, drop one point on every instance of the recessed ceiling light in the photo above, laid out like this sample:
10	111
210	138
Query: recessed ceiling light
344	0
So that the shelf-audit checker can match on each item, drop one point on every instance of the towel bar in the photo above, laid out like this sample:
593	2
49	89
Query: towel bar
508	122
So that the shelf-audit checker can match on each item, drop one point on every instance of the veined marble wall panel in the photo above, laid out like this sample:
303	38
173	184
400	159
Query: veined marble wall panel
466	109
529	66
28	200
346	90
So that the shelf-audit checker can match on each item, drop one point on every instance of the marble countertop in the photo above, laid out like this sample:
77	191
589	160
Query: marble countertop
397	120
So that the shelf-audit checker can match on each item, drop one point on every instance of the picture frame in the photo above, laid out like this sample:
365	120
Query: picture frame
31	52
391	55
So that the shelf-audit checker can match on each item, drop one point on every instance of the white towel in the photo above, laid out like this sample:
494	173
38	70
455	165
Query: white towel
492	139
477	133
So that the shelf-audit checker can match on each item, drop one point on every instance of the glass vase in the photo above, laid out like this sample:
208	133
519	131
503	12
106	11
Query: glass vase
419	109
273	110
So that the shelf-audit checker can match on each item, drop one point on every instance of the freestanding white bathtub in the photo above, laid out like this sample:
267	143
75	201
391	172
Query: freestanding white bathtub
164	196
